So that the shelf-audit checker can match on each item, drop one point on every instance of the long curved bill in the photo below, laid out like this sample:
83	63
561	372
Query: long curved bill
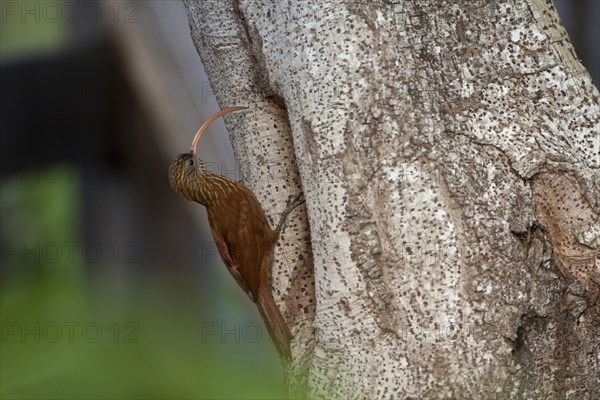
210	121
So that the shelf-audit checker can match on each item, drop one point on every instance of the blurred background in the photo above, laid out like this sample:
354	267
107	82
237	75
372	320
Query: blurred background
111	286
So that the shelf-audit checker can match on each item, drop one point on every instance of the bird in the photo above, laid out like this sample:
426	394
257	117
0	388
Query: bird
242	235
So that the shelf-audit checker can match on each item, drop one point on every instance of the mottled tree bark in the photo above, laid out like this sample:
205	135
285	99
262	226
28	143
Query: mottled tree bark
449	154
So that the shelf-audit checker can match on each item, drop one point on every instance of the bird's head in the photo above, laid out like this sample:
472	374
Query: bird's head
186	172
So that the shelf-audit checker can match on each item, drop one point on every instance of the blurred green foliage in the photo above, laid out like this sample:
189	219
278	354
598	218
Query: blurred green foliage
68	333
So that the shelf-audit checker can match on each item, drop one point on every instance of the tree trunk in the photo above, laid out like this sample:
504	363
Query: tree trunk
449	154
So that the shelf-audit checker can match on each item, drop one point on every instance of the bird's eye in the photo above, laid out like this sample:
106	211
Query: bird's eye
191	162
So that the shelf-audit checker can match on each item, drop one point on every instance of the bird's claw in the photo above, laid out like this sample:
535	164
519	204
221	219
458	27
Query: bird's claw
293	202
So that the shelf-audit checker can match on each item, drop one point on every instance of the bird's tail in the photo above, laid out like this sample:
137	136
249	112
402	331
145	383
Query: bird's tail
276	325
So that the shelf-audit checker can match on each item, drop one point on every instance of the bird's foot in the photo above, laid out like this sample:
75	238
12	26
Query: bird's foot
292	203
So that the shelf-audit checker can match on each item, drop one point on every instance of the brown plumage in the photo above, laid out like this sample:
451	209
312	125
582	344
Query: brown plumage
240	230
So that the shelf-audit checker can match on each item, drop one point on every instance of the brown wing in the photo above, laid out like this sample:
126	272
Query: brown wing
246	237
231	265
